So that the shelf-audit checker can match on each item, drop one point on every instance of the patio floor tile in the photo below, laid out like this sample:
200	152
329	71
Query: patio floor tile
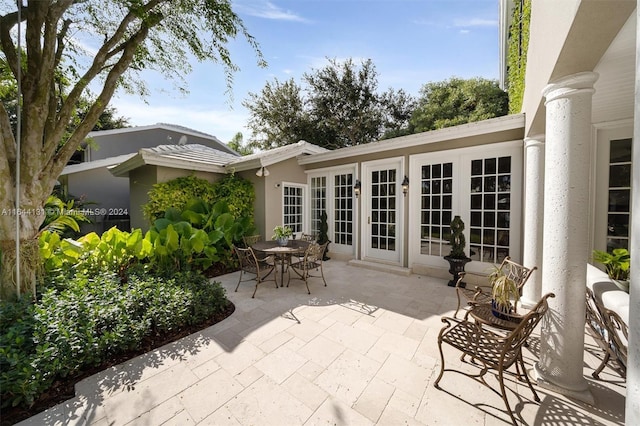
361	351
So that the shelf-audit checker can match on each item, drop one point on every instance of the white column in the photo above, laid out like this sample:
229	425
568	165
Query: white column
533	211
632	411
566	231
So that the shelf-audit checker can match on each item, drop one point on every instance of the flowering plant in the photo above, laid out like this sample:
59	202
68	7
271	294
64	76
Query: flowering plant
281	232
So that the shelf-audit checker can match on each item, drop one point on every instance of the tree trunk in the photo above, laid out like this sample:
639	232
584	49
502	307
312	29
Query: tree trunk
30	220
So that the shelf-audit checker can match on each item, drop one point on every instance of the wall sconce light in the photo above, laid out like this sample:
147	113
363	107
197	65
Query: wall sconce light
405	186
356	188
262	171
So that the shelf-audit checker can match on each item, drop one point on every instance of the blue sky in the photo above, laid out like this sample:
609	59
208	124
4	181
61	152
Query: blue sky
411	42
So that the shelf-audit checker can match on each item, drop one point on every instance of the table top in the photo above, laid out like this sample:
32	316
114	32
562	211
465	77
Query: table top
483	313
272	246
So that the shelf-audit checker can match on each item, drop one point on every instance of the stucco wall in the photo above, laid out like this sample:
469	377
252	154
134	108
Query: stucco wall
109	193
140	182
286	171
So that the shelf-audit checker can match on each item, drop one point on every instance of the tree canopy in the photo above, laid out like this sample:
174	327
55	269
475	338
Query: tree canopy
458	101
91	43
338	106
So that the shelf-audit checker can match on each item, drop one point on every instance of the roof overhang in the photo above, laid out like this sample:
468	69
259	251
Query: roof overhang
146	158
301	149
93	165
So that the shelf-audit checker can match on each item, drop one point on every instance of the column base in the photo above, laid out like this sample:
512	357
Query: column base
583	395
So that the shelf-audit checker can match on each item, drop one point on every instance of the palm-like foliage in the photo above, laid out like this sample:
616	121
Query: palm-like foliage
62	216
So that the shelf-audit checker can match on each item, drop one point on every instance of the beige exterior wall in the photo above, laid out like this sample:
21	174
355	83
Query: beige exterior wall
140	182
286	171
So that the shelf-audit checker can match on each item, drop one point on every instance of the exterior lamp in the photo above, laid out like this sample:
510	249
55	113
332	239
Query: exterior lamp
405	186
356	188
262	171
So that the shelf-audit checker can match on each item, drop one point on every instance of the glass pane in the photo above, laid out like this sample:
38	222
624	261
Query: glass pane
476	167
476	184
489	166
490	184
619	200
476	202
436	171
426	172
620	151
504	165
618	225
447	170
620	176
489	201
476	219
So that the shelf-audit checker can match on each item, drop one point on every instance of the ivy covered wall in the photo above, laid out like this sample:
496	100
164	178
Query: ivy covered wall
517	53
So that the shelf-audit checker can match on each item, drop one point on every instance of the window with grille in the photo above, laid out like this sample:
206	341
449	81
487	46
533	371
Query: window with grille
293	207
619	194
343	209
436	196
489	227
318	201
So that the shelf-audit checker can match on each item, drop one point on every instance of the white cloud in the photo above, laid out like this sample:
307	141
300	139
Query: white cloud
268	10
475	22
222	123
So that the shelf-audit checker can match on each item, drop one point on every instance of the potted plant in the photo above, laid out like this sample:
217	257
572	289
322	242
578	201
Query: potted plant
282	235
505	294
457	257
616	264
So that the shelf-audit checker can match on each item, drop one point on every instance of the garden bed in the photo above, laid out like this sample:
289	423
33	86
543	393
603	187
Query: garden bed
64	389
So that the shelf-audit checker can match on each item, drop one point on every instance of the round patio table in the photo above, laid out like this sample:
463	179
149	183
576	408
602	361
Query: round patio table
281	253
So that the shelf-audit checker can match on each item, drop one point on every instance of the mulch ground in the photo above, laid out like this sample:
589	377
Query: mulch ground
64	389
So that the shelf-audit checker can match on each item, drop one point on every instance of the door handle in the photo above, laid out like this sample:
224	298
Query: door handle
369	220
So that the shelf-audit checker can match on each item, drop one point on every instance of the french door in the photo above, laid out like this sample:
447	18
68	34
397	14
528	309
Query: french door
382	215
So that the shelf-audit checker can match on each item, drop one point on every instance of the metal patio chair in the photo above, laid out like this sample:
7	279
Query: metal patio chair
610	332
251	264
493	350
482	294
311	260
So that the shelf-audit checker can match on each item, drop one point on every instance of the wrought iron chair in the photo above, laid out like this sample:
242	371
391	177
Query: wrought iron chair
610	332
251	264
312	260
307	237
494	351
250	240
482	294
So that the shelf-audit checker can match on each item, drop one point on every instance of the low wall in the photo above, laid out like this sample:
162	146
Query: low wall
609	294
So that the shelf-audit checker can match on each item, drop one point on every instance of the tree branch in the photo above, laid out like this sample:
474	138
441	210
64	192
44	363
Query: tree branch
58	161
7	22
111	47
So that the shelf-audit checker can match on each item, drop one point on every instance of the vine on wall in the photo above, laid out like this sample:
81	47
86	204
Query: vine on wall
517	54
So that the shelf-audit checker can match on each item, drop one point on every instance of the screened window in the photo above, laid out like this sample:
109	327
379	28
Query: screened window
436	196
343	209
293	207
489	227
619	194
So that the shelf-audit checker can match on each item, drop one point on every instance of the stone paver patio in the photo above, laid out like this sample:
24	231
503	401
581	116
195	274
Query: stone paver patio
361	351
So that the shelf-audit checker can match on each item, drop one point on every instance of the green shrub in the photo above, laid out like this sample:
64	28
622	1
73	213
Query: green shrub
236	192
85	321
176	193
